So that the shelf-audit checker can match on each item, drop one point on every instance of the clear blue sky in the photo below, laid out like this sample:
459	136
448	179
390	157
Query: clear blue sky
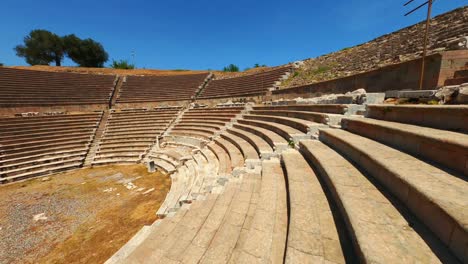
206	34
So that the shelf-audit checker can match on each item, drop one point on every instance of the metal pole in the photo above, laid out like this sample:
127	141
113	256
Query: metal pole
426	37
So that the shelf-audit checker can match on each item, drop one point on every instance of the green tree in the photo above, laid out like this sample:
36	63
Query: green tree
85	53
231	68
257	65
122	64
41	47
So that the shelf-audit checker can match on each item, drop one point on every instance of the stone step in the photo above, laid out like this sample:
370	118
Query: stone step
235	155
264	150
210	131
381	230
227	237
317	117
449	149
151	249
435	197
273	139
321	108
41	171
313	235
288	133
302	125
248	151
446	117
223	158
192	133
265	240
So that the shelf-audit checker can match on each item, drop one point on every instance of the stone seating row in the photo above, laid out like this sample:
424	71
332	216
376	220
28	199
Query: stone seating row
412	161
36	146
204	123
129	135
160	88
375	190
244	85
29	87
218	223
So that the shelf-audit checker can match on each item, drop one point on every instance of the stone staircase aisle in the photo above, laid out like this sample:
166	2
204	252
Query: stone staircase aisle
97	137
156	146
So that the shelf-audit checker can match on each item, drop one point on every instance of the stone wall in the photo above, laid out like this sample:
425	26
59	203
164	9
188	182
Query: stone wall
400	46
439	67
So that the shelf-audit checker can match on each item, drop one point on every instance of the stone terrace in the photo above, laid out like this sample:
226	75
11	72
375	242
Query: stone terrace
255	84
314	184
35	146
35	88
137	89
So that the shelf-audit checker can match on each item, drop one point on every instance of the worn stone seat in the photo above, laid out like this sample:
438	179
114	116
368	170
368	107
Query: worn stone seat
287	132
206	130
275	140
235	155
223	158
43	151
42	171
45	146
302	125
261	146
369	211
8	165
449	149
311	216
192	133
324	118
27	168
248	151
24	144
434	196
446	117
340	109
33	156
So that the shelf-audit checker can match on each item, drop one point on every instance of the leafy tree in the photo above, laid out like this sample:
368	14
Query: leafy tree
41	47
257	65
1	64
231	68
122	64
85	53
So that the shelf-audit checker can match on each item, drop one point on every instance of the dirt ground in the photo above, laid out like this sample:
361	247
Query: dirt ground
82	216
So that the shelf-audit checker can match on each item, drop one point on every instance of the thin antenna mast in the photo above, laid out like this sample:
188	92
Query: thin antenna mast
426	36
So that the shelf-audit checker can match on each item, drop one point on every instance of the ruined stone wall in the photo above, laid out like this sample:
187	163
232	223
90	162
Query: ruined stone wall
403	45
402	76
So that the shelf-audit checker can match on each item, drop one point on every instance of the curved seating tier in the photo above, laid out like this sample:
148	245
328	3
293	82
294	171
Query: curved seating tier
160	88
34	146
255	84
374	191
204	123
129	135
36	88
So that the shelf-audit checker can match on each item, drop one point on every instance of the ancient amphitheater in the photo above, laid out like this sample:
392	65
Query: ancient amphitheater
261	174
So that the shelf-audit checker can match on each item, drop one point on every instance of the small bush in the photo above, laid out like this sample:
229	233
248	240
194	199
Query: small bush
231	68
321	69
1	64
122	64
